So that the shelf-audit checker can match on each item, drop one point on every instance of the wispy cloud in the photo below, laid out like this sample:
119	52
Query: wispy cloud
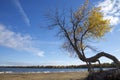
21	10
18	41
111	10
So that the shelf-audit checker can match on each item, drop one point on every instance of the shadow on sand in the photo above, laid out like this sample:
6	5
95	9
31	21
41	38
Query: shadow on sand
113	74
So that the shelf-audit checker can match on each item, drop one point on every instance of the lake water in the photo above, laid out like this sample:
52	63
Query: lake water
41	70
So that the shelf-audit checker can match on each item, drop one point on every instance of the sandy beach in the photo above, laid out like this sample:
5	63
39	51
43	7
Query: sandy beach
44	76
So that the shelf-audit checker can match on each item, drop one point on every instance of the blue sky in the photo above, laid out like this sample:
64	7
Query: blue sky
25	40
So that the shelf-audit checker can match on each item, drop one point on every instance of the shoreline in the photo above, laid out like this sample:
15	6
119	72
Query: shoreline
10	72
42	70
45	76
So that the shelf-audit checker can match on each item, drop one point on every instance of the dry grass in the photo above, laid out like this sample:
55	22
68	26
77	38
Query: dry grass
45	76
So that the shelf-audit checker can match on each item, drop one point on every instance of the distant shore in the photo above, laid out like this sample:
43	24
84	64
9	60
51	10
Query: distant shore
104	65
44	76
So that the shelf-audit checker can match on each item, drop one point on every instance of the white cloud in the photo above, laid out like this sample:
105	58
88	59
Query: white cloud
111	10
18	41
40	53
21	10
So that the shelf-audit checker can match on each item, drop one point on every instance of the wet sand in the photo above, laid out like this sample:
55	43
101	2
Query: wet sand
44	76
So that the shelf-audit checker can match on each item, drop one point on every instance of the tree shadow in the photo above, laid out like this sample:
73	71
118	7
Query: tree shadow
113	74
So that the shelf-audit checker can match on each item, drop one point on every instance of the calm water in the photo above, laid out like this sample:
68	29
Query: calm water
40	70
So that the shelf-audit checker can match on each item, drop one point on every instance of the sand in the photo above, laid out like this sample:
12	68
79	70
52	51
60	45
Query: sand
44	76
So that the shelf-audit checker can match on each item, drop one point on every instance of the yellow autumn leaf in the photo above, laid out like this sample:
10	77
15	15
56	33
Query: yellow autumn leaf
98	26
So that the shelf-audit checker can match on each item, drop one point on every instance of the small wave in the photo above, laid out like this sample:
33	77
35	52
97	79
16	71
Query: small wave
39	72
2	72
6	72
46	72
34	72
62	71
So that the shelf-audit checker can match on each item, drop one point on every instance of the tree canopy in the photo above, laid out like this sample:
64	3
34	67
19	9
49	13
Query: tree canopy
79	28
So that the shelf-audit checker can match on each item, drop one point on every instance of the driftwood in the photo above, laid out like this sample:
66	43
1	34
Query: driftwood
113	74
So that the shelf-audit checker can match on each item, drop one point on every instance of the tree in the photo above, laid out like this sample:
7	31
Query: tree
79	29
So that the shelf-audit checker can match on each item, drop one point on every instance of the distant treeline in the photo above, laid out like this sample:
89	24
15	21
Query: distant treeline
104	65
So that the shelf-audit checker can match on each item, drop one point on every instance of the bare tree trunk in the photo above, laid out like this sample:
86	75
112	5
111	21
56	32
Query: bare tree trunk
96	58
100	66
101	54
89	67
